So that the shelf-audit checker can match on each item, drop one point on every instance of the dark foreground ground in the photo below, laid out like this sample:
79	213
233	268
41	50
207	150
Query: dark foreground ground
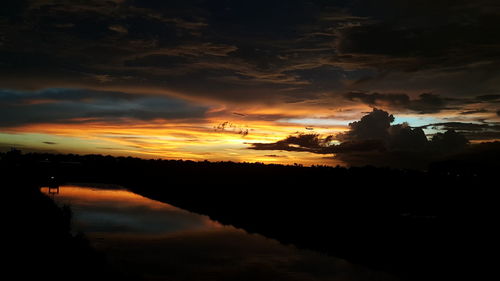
38	241
434	225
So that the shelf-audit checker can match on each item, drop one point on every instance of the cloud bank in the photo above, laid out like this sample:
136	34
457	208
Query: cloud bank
374	140
19	108
294	51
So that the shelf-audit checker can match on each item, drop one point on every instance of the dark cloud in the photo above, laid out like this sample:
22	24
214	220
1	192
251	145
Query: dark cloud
251	51
424	104
376	99
460	126
232	128
49	142
428	103
374	140
156	60
488	98
300	142
371	126
449	141
239	114
418	29
376	130
376	127
77	106
405	138
275	156
12	10
314	143
367	145
469	112
487	135
472	131
380	52
168	45
373	132
412	46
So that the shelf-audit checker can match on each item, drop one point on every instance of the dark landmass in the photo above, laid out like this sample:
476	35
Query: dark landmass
39	241
420	225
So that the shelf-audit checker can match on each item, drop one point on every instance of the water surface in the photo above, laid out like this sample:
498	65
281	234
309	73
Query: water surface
113	210
151	240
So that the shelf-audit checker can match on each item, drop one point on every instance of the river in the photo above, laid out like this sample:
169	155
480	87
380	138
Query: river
151	240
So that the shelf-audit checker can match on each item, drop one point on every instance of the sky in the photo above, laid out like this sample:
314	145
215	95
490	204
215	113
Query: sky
246	80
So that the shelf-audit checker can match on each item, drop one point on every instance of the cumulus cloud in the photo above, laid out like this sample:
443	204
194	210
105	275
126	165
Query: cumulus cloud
377	127
405	138
449	141
371	126
373	132
374	140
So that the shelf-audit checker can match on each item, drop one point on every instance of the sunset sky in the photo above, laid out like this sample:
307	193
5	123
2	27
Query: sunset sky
244	80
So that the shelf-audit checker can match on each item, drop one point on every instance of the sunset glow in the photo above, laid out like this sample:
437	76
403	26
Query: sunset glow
200	82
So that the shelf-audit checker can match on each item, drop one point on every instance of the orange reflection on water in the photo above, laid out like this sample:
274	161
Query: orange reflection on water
119	211
89	195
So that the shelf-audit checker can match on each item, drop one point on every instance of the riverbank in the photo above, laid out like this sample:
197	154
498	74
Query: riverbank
41	240
43	245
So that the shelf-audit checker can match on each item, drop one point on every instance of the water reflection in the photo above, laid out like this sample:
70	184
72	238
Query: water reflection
150	240
119	211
